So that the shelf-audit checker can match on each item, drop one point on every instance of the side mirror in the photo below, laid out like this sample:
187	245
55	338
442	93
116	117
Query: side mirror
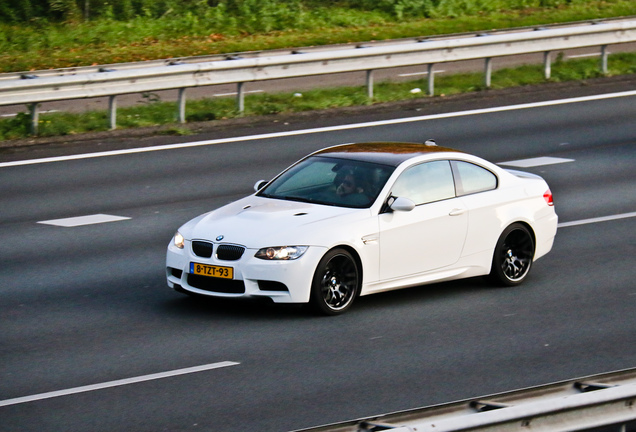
260	185
402	204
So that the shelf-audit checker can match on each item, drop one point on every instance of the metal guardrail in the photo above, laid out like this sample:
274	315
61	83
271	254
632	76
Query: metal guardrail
32	90
252	54
607	400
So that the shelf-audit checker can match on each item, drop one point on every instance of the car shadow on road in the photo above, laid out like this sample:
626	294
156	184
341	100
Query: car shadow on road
201	307
221	308
426	293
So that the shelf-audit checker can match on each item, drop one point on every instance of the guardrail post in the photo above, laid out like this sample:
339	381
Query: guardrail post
547	71
431	79
112	112
604	59
370	84
487	71
181	104
35	117
240	98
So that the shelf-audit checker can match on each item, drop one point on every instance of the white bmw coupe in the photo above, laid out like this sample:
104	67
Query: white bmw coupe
358	219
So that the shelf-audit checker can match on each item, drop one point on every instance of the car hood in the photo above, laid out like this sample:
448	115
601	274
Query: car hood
257	222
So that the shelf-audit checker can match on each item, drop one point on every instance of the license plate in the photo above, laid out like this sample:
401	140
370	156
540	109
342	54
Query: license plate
211	271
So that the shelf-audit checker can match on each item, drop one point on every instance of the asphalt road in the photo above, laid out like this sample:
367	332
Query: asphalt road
88	305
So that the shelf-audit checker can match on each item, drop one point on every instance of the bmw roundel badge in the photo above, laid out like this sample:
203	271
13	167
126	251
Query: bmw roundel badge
219	238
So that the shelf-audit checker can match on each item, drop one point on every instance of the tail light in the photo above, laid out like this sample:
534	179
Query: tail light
547	196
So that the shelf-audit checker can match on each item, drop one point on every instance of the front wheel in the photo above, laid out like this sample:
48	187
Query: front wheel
513	256
336	282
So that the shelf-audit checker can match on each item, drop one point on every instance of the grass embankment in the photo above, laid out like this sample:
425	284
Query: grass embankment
139	39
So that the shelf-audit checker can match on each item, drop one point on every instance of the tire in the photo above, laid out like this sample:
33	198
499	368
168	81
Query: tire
336	283
513	256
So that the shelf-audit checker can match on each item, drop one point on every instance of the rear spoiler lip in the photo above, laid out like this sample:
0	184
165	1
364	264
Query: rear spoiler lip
524	174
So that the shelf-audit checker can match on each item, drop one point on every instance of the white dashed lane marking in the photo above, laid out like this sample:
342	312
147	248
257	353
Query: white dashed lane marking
420	73
84	220
534	162
235	93
585	55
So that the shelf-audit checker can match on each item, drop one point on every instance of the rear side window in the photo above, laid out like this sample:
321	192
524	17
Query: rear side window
471	178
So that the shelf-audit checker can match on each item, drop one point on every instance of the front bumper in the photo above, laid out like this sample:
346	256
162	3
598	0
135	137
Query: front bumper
281	281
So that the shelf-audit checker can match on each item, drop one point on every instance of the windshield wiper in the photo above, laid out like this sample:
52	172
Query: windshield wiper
299	199
308	200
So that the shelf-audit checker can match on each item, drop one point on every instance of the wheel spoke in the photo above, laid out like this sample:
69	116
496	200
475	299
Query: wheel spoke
516	255
339	282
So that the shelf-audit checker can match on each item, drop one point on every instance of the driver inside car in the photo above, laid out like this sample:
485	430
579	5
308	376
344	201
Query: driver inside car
350	188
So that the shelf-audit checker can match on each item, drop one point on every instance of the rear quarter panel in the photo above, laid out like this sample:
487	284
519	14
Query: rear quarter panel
515	200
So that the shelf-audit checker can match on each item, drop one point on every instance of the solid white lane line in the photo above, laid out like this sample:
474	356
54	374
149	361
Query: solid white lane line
116	383
84	220
534	162
318	130
597	219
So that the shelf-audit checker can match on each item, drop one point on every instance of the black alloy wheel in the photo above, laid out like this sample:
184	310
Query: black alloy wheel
336	282
513	256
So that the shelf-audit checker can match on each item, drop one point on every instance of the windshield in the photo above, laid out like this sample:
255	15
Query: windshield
330	181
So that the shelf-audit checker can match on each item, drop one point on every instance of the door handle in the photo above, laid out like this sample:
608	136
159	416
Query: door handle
457	212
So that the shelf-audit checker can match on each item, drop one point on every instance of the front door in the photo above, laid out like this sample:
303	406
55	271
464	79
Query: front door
430	236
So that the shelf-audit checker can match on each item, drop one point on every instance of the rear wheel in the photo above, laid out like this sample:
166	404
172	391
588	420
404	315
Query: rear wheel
513	256
336	282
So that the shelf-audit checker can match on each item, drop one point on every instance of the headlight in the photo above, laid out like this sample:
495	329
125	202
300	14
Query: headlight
281	252
179	241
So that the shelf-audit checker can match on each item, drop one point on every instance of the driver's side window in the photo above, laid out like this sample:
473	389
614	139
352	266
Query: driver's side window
426	182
